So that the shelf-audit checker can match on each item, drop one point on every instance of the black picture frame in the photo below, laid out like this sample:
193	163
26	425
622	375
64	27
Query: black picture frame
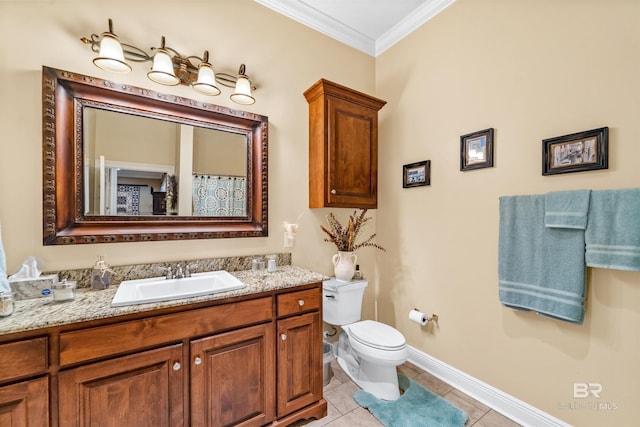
416	174
577	152
476	150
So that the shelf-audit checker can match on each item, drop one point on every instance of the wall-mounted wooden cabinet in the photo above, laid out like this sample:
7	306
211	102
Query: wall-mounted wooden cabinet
343	146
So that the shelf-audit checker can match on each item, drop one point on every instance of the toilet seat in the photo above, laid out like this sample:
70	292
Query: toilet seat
377	335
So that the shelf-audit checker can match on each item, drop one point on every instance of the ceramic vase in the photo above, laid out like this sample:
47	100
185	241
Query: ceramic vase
344	265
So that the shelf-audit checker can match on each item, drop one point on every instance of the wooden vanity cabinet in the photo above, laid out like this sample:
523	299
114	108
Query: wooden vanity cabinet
142	389
24	383
207	365
233	378
299	339
343	146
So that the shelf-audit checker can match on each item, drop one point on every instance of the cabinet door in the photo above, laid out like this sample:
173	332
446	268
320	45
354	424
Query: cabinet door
233	378
25	403
143	389
299	362
352	175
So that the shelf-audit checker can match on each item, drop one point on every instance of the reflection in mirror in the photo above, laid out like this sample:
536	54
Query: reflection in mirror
126	164
144	166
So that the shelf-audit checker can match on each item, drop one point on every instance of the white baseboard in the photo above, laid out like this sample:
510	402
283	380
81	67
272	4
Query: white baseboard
515	409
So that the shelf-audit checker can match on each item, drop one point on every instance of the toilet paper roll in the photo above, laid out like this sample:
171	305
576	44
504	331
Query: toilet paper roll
418	317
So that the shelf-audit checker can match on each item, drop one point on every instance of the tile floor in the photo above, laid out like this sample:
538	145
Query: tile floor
343	411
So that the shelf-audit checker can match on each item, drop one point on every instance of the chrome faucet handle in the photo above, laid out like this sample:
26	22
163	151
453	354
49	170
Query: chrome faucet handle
179	274
169	275
188	268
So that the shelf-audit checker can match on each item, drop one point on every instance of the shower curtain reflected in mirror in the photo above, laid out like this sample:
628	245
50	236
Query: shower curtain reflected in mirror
215	195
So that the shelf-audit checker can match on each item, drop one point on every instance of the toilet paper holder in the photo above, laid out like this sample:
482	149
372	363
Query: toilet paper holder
422	318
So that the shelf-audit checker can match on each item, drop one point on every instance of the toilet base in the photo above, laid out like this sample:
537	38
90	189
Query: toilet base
380	381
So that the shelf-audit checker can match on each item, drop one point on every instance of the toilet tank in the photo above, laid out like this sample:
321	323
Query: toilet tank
342	301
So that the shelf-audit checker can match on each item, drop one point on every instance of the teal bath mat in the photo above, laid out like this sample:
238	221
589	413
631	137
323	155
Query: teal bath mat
417	407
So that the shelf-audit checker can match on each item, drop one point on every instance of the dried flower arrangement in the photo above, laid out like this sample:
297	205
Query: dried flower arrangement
345	238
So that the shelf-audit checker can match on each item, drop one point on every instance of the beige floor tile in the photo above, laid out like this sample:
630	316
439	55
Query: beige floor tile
409	370
342	397
338	373
359	417
474	409
495	419
433	384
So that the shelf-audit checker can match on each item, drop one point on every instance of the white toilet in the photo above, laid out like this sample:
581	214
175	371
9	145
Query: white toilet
368	351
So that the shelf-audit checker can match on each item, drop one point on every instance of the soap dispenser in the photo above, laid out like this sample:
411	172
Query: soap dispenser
101	275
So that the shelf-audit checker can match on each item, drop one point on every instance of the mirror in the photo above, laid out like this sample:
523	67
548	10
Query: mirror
130	161
125	164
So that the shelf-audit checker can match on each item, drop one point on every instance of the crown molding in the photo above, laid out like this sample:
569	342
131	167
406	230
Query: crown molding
312	18
409	24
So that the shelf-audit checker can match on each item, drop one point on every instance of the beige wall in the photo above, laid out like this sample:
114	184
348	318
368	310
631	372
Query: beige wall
283	59
531	70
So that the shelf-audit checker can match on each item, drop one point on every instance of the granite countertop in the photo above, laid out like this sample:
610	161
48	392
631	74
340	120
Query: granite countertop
88	304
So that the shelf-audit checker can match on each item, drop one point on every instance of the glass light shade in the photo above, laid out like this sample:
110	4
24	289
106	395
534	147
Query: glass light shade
242	94
206	83
111	57
162	69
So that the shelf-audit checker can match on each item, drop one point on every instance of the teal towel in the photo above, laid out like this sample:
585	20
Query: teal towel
566	209
539	268
4	282
613	233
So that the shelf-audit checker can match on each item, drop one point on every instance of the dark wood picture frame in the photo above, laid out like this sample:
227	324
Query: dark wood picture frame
577	152
416	174
476	150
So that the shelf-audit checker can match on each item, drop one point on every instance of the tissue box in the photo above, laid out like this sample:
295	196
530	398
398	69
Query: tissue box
32	288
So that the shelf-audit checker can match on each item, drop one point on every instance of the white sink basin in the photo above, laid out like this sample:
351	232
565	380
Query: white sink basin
158	289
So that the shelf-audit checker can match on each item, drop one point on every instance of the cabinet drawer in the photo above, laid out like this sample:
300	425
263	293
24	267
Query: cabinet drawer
22	358
298	302
125	337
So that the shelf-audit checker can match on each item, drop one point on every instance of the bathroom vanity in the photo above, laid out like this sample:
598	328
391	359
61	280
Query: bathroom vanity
248	357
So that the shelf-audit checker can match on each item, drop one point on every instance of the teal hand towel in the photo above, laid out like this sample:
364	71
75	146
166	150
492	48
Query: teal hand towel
612	236
4	282
566	209
539	268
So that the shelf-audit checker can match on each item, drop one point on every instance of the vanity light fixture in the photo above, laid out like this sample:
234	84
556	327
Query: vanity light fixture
169	67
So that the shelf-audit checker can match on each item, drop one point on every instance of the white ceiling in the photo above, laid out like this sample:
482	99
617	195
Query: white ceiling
371	26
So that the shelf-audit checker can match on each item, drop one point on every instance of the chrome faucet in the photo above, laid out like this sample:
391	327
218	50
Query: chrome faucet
169	275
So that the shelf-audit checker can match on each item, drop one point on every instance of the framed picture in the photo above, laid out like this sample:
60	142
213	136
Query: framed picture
416	174
578	152
476	150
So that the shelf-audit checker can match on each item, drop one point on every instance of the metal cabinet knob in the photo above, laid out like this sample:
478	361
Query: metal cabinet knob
300	302
176	366
333	191
283	337
197	361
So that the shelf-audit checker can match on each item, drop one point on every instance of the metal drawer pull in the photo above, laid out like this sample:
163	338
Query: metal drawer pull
176	366
197	361
300	302
284	337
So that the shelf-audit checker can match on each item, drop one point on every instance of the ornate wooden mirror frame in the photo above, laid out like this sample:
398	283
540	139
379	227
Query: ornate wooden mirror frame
64	97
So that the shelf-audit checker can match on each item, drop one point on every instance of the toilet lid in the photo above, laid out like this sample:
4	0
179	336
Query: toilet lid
377	335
